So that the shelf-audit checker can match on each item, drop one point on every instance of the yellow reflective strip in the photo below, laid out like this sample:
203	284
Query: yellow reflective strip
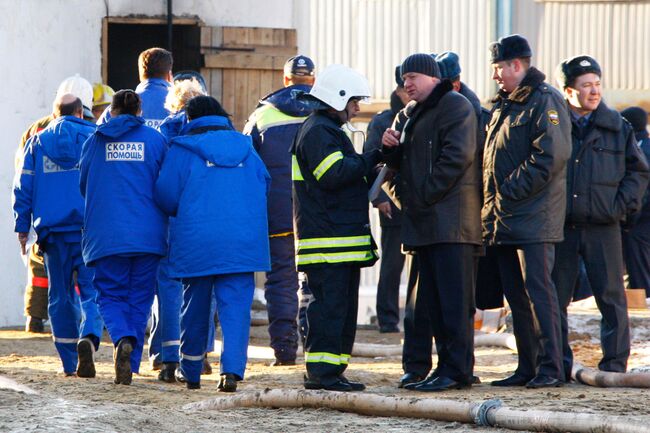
328	358
356	256
327	163
269	116
296	174
345	358
280	235
349	241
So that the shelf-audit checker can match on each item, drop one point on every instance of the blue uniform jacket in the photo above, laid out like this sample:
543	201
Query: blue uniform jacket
215	185
172	125
47	190
153	93
119	166
273	126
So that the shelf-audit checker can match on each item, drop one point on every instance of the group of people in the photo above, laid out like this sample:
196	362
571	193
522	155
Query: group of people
167	201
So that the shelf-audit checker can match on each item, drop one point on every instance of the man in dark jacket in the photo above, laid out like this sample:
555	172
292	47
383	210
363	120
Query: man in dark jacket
273	126
636	234
330	199
606	178
390	219
524	185
434	150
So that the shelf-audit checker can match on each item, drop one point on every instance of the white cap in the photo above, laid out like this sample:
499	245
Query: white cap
79	87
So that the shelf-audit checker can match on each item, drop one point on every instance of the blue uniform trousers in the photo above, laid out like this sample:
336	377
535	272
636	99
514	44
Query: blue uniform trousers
125	285
600	247
636	249
234	296
165	337
69	321
281	293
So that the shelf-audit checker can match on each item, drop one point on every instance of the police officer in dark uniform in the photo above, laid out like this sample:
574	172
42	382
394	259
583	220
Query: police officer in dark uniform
636	234
606	178
524	185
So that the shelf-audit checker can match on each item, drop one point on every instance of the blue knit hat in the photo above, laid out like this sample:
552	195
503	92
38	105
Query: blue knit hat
448	64
398	76
421	63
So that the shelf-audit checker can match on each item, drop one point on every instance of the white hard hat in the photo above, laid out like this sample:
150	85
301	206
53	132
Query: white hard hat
79	87
336	84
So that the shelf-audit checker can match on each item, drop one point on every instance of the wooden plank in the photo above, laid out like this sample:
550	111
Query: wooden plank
207	77
216	89
228	91
291	37
206	38
241	98
278	38
235	35
228	60
267	85
254	91
105	50
254	49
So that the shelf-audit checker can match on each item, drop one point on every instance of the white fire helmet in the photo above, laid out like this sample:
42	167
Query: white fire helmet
336	84
79	87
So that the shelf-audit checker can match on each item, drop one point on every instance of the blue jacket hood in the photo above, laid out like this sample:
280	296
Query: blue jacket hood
61	140
120	125
221	145
285	100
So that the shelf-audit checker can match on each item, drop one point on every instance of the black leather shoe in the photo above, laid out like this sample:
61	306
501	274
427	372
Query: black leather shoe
227	383
168	372
356	386
476	380
389	329
339	385
193	385
544	381
122	356
429	378
514	380
440	383
408	379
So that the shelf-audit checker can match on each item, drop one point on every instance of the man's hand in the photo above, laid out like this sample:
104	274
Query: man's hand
390	138
384	208
22	239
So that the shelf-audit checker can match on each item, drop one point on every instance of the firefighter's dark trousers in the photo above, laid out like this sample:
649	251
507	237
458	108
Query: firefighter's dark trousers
331	319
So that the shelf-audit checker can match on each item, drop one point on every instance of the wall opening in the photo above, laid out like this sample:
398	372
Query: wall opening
124	40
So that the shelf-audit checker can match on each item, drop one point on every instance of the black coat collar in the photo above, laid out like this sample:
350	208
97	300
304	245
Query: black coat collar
521	94
606	118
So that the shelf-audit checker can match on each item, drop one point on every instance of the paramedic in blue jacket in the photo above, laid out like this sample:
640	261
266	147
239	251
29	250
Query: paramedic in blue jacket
50	171
124	231
164	339
215	185
155	71
273	126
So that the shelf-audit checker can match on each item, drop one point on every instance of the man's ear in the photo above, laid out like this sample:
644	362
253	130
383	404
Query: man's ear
170	77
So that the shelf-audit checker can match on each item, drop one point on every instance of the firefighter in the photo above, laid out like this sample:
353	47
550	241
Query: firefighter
330	196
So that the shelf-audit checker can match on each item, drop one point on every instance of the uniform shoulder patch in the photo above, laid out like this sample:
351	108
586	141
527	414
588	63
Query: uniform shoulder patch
553	117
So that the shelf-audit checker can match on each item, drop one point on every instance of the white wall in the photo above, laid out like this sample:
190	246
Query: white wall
44	41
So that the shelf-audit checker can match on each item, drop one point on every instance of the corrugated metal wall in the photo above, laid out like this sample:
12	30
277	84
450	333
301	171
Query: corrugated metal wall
373	36
617	34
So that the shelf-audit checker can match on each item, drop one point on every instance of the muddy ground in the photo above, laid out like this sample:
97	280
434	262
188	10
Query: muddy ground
97	405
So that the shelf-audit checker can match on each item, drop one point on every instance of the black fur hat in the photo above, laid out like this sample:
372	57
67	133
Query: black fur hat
637	116
572	68
510	47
